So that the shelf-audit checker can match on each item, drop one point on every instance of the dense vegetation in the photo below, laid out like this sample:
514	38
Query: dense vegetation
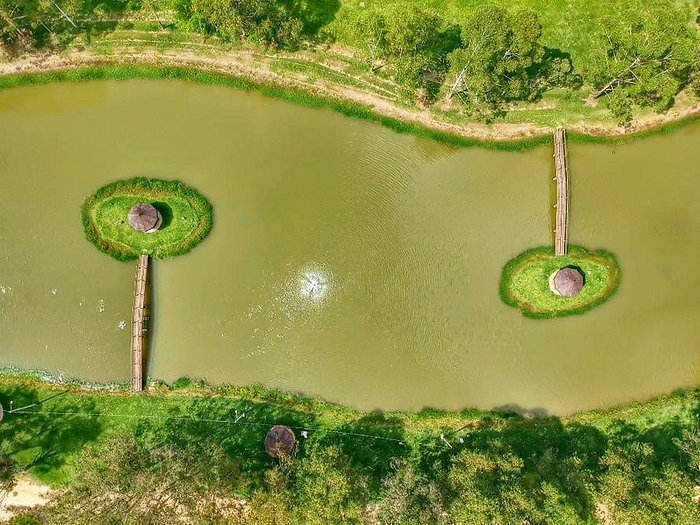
189	453
187	218
525	281
476	58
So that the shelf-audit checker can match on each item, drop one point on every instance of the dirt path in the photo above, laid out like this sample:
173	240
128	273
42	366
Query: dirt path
256	67
26	495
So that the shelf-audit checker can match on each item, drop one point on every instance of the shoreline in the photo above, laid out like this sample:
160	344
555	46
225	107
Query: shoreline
187	386
241	70
94	445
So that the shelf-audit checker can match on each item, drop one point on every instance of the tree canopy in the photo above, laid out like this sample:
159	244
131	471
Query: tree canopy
499	59
486	57
262	21
413	41
645	54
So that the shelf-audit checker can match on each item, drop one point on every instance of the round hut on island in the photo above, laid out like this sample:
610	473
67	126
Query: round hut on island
280	441
145	218
567	282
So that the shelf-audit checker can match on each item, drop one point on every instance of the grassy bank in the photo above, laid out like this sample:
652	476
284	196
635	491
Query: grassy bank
113	449
120	71
525	281
116	69
331	65
187	218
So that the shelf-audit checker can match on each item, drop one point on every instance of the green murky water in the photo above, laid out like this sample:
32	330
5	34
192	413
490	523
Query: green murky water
346	260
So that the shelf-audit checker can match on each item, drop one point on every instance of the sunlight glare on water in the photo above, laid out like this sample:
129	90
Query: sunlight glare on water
346	260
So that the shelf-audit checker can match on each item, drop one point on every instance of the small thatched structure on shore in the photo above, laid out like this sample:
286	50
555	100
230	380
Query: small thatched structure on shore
145	218
567	282
280	441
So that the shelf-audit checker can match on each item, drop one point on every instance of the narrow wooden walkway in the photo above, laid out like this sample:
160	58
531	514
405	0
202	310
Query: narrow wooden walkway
137	324
561	162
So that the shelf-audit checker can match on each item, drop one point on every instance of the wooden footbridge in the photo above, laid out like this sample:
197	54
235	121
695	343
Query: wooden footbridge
561	163
138	323
138	328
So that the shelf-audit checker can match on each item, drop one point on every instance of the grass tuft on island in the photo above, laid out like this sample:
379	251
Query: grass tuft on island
525	281
187	218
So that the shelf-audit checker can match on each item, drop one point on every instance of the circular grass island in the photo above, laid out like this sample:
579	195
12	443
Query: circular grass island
542	285
160	218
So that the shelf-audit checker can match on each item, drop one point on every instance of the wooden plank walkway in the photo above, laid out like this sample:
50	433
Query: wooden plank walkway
137	324
561	163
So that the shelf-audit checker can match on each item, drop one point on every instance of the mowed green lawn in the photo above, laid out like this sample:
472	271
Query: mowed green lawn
187	218
180	220
525	281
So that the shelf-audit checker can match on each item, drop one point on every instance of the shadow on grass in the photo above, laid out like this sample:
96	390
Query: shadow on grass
371	443
43	437
166	213
207	422
314	14
577	459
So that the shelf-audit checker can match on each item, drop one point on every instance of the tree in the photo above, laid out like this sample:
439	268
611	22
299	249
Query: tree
25	22
409	498
328	489
26	518
123	480
498	61
408	38
646	50
261	21
637	488
695	76
272	504
620	105
323	488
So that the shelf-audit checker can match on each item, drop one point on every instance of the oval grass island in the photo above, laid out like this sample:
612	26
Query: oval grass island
185	218
527	281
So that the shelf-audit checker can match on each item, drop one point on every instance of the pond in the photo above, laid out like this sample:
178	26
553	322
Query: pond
346	260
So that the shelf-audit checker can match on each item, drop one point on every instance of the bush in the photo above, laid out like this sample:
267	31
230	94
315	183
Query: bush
620	105
26	518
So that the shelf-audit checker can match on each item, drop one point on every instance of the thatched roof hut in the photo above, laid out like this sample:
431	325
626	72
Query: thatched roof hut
568	282
280	441
145	218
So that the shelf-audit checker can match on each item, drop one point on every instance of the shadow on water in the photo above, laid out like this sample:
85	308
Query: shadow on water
513	409
149	338
166	212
